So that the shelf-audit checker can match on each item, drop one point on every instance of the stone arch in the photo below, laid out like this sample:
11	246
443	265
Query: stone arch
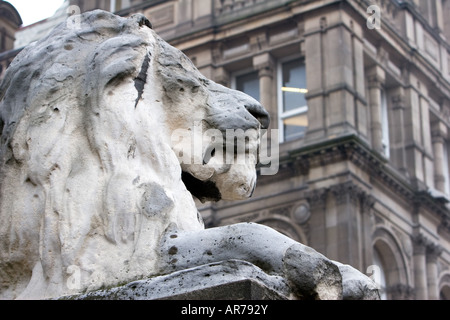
393	263
444	286
8	12
286	227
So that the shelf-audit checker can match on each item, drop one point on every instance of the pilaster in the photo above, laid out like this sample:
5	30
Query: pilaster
376	77
265	65
432	254
398	151
420	268
426	253
438	134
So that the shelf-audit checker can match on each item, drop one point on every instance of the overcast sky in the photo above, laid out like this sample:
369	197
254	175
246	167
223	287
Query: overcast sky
32	11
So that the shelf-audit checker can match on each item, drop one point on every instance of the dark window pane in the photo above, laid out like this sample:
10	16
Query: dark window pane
249	84
295	127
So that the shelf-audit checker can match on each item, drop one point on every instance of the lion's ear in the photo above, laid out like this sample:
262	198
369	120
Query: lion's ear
141	20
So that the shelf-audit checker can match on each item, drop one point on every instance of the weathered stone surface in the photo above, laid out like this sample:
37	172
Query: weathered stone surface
227	280
99	159
90	166
357	286
312	275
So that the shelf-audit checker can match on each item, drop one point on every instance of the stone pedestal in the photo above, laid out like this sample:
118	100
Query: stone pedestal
227	280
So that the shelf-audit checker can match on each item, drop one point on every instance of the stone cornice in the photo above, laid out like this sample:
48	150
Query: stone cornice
347	147
353	148
342	191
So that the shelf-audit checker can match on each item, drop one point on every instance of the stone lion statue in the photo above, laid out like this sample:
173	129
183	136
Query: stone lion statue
91	178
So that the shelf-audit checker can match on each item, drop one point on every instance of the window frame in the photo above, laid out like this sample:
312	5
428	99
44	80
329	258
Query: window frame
291	113
384	110
446	169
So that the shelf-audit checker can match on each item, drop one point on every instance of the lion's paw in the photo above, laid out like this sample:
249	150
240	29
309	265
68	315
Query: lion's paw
357	286
311	275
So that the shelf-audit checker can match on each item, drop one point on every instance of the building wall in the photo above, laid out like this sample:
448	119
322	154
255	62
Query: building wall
10	21
368	182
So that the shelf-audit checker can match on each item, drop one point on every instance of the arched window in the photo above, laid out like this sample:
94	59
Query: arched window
379	275
389	255
445	293
444	286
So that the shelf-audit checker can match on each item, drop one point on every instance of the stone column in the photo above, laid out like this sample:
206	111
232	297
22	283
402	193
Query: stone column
317	200
439	131
433	251
420	268
367	225
315	48
428	178
376	78
221	76
414	145
439	9
265	65
346	239
398	152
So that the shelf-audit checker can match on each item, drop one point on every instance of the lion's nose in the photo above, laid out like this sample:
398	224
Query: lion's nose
228	100
259	113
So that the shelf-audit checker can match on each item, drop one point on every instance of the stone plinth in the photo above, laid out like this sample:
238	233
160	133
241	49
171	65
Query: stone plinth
227	280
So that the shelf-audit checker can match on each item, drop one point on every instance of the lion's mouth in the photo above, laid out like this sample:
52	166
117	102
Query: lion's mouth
202	190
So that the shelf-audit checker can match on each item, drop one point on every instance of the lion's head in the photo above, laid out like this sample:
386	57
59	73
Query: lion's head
91	171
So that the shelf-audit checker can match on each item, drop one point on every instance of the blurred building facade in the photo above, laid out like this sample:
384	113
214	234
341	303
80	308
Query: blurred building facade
359	91
10	21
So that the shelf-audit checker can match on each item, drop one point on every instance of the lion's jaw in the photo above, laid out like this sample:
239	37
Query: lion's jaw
215	131
220	147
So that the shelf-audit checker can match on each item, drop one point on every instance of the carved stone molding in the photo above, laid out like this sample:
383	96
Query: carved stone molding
317	198
282	211
424	245
343	192
301	213
367	201
354	149
347	190
420	243
259	42
265	64
398	101
374	81
433	252
444	227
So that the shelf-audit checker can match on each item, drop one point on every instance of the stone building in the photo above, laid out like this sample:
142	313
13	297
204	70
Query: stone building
10	21
359	92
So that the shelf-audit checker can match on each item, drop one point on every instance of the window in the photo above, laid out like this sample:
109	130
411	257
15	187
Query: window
292	102
248	83
445	170
2	40
384	124
117	5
